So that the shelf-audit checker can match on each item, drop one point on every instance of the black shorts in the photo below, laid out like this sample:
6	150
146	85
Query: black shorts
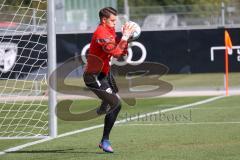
104	86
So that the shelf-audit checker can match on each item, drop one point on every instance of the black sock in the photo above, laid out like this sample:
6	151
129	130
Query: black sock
109	122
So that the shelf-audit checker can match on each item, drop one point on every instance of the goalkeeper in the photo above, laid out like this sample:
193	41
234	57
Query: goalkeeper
97	76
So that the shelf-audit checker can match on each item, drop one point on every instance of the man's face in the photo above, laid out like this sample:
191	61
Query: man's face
111	21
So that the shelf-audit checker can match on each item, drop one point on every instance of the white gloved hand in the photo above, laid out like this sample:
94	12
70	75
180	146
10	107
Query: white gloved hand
127	30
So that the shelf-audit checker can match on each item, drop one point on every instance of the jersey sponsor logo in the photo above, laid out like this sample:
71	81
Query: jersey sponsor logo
8	55
103	40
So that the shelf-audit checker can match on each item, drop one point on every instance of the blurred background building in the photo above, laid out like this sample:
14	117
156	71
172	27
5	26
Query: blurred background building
82	16
79	15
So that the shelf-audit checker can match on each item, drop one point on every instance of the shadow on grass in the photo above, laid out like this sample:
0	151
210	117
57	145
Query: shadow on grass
71	150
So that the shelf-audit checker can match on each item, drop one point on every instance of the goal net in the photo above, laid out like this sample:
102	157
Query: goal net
23	69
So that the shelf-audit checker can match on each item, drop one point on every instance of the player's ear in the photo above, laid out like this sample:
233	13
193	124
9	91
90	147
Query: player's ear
104	20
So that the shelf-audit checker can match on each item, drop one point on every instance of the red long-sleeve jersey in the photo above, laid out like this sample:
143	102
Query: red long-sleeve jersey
104	45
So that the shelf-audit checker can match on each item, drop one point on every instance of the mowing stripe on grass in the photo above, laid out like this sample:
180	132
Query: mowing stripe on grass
174	124
13	149
170	109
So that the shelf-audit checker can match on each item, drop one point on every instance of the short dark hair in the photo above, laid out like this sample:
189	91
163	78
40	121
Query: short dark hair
106	12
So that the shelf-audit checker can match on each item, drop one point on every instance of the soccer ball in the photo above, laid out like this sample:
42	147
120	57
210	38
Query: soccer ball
137	31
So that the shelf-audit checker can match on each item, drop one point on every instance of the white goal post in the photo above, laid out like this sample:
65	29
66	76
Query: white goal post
27	58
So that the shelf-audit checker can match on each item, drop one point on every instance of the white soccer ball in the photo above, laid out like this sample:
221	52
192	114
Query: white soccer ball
137	31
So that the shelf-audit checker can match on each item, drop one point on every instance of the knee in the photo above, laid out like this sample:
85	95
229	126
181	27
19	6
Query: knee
115	101
119	106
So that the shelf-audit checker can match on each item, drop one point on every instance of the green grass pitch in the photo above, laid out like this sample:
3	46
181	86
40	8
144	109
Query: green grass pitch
205	132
